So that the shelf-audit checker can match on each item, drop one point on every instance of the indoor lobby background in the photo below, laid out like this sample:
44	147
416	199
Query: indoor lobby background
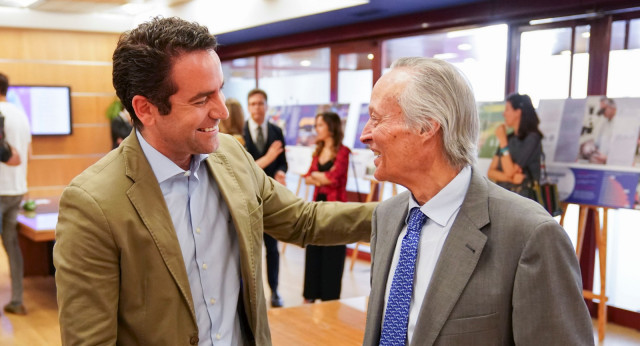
313	55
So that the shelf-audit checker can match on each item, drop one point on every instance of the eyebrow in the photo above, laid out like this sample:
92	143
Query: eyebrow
205	93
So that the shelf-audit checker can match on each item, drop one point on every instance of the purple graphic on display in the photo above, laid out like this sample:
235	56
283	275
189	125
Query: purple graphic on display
604	188
298	121
362	121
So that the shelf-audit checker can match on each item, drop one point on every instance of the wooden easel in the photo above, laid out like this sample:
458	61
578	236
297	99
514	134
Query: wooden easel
376	186
601	245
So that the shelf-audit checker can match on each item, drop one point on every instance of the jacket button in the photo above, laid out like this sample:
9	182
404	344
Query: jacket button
194	340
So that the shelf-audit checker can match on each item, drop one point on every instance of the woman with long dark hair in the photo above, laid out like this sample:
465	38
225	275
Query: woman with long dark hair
517	161
328	172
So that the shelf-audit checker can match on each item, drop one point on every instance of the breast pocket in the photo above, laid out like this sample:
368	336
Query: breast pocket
477	330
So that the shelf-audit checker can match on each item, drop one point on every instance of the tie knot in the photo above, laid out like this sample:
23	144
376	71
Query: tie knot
416	219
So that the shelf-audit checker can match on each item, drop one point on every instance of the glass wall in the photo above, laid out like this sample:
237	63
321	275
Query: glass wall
624	58
545	70
481	54
239	78
300	77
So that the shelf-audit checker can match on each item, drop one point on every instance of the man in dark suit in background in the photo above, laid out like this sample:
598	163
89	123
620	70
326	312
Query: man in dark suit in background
259	135
457	260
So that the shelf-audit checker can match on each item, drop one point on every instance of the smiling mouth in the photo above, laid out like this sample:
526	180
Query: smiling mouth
376	154
208	129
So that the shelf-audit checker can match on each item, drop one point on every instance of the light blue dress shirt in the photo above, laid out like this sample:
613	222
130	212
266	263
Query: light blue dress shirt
208	241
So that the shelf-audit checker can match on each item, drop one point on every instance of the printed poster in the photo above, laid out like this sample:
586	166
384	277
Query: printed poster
490	115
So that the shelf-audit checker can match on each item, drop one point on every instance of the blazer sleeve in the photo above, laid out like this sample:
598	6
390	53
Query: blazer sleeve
87	271
338	171
281	161
548	308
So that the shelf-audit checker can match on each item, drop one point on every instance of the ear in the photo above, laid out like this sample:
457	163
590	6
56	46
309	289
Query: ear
428	134
145	110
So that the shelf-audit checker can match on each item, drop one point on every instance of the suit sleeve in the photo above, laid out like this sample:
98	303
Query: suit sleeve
281	161
87	272
548	308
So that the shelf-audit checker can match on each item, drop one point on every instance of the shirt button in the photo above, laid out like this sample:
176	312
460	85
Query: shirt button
218	336
198	230
194	340
212	300
204	266
187	173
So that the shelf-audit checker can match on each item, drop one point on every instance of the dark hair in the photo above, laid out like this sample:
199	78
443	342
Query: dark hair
529	119
335	129
4	84
257	91
144	57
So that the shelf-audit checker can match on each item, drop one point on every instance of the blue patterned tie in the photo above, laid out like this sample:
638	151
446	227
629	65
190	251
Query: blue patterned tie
396	318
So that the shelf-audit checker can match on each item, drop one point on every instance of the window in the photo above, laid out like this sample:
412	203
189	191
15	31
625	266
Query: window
624	70
550	68
481	54
292	78
239	78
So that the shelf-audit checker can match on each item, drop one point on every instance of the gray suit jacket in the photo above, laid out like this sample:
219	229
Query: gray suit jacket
507	275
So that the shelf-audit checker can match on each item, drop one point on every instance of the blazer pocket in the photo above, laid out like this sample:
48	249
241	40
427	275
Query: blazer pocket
256	214
470	324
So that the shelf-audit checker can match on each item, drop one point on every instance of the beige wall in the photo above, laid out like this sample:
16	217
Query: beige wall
77	59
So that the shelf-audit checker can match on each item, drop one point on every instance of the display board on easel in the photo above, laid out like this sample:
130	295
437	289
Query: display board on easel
591	146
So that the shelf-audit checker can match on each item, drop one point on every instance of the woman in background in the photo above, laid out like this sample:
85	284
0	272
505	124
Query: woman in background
516	163
234	125
235	122
328	172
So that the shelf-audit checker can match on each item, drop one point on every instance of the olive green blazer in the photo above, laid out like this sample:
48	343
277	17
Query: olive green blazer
120	275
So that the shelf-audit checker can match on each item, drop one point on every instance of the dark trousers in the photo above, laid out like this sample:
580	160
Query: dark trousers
323	272
273	261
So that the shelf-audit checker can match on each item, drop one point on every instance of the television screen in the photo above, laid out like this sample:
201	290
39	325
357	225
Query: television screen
47	107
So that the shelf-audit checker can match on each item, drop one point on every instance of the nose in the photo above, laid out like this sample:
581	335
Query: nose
219	109
366	136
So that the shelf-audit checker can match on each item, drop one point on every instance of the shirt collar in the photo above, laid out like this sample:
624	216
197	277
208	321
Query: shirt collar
253	126
445	203
162	166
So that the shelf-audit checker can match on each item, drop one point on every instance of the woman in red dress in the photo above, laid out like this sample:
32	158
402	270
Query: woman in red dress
328	172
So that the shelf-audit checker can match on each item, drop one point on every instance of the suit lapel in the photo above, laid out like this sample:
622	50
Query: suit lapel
458	259
146	197
389	223
230	189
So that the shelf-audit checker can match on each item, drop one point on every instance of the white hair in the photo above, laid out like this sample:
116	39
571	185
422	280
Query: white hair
438	91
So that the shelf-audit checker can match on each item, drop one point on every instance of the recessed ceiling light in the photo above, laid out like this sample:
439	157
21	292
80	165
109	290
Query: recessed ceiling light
445	56
464	46
370	56
305	63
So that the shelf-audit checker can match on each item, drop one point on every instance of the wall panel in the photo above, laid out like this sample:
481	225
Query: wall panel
83	62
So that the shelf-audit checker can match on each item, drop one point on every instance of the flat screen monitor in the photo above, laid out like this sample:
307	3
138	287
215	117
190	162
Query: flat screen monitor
47	107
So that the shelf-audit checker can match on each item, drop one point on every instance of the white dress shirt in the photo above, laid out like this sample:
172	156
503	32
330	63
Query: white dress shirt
253	130
441	212
208	241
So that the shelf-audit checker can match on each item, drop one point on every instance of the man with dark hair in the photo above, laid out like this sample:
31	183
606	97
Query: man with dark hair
259	135
159	242
14	129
